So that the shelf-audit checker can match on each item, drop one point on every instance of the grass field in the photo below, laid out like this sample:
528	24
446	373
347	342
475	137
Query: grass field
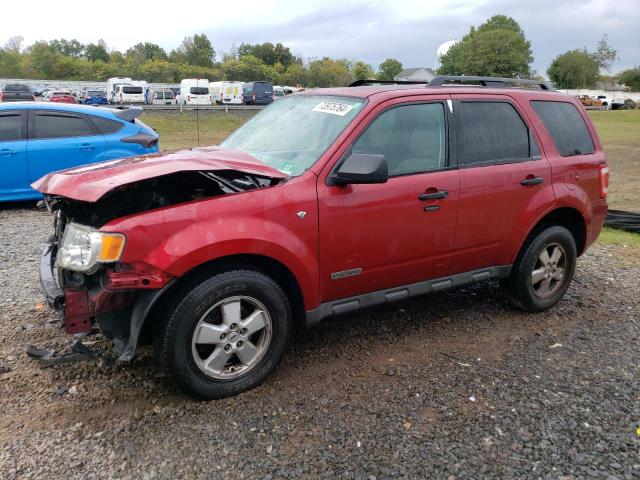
619	132
178	130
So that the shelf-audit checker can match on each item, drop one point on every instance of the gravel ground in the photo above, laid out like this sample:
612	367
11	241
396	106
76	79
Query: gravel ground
453	385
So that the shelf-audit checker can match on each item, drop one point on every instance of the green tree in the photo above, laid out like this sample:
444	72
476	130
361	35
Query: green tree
10	64
41	61
67	48
362	71
574	69
269	53
605	55
196	50
389	69
631	78
96	51
294	75
147	51
497	48
329	72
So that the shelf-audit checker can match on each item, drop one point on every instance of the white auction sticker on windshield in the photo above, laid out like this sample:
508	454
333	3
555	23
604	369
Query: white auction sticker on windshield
335	108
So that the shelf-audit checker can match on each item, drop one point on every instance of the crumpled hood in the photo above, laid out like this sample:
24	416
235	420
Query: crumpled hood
89	183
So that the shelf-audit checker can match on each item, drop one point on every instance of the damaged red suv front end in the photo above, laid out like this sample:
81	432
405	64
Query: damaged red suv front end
81	271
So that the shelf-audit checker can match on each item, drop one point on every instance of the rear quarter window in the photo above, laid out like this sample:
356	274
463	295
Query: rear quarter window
105	126
566	127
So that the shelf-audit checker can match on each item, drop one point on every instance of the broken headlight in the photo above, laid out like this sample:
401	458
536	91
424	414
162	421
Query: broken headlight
84	248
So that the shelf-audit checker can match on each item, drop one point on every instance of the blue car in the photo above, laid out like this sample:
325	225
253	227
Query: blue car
94	97
38	138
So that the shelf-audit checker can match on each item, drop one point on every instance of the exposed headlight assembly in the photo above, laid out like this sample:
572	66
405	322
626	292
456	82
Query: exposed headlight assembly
84	248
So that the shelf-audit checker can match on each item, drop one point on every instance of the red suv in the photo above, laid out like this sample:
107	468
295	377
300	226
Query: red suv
325	202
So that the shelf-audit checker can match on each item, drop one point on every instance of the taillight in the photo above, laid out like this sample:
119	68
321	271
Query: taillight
144	139
603	176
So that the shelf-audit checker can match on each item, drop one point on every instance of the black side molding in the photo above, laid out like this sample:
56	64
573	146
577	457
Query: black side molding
394	294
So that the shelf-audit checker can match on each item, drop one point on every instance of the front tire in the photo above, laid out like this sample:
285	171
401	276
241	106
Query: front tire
543	271
225	334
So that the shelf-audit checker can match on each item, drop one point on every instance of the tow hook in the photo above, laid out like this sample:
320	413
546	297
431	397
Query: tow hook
79	353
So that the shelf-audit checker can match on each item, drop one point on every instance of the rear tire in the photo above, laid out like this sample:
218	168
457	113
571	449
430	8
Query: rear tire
543	271
224	334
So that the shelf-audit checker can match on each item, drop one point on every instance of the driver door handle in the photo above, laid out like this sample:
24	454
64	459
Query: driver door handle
439	195
532	181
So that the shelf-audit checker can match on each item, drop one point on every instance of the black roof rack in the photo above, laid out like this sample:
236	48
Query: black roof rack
360	83
487	81
439	81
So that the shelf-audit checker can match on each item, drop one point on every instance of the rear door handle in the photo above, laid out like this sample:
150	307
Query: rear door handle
6	152
86	147
532	181
439	195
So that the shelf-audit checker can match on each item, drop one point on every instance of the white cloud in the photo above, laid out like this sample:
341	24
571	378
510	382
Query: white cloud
409	30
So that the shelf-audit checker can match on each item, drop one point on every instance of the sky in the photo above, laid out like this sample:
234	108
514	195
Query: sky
408	30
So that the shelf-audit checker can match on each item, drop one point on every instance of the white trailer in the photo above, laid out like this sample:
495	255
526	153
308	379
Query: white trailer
226	92
194	91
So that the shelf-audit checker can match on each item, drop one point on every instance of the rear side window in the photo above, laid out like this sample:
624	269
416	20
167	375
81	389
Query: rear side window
10	127
566	126
61	126
490	132
411	137
105	126
17	87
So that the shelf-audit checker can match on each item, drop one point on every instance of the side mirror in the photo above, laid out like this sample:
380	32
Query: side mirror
361	168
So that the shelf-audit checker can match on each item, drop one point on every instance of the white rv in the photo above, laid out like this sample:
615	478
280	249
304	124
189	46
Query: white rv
194	91
129	94
111	87
226	92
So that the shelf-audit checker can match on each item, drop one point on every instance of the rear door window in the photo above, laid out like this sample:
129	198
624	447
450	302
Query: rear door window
411	137
566	127
492	132
11	127
54	125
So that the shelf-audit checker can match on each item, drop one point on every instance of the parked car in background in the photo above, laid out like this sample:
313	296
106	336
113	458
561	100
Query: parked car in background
129	94
63	136
94	97
226	92
160	96
37	90
278	93
61	96
194	91
257	93
112	83
16	92
326	202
